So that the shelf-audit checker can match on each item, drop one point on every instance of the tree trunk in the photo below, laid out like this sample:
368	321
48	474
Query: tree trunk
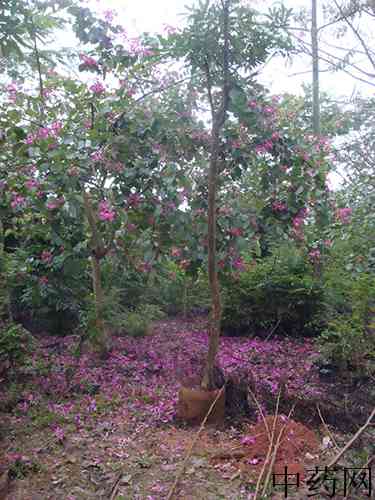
218	121
102	339
208	381
5	306
315	62
98	252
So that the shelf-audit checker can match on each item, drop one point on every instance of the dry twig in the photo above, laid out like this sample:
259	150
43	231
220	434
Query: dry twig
193	443
327	429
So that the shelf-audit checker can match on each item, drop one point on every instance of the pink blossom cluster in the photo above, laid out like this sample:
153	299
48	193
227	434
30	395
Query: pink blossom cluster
315	255
97	156
265	147
106	213
279	206
239	264
109	15
32	184
97	88
134	200
298	223
12	91
17	201
114	166
235	231
46	256
44	133
144	267
88	60
169	30
176	252
55	203
344	215
200	135
136	48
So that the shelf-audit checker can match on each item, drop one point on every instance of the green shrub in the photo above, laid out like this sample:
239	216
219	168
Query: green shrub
177	292
345	342
137	322
278	290
137	325
15	344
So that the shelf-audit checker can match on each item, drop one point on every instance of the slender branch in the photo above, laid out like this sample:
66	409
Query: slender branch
351	442
357	34
39	68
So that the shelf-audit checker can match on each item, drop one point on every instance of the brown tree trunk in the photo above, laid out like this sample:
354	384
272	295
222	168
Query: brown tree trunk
102	340
218	121
98	252
208	381
5	306
315	62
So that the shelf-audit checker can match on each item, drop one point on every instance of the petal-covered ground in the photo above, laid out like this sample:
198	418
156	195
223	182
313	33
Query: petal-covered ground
91	428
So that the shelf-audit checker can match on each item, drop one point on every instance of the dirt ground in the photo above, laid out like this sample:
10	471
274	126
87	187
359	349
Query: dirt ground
87	428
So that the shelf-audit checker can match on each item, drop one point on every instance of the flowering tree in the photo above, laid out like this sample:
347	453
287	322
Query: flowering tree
223	44
107	154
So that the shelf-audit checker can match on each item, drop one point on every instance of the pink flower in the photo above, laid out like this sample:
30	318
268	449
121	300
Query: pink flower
268	145
56	127
169	30
17	200
134	199
297	222
305	156
105	212
175	252
259	148
12	91
221	264
32	184
252	104
97	88
109	15
97	156
235	231
269	110
88	61
43	133
328	243
47	93
30	138
279	206
248	440
253	461
144	267
59	433
344	215
239	264
315	255
46	256
184	264
43	280
52	204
